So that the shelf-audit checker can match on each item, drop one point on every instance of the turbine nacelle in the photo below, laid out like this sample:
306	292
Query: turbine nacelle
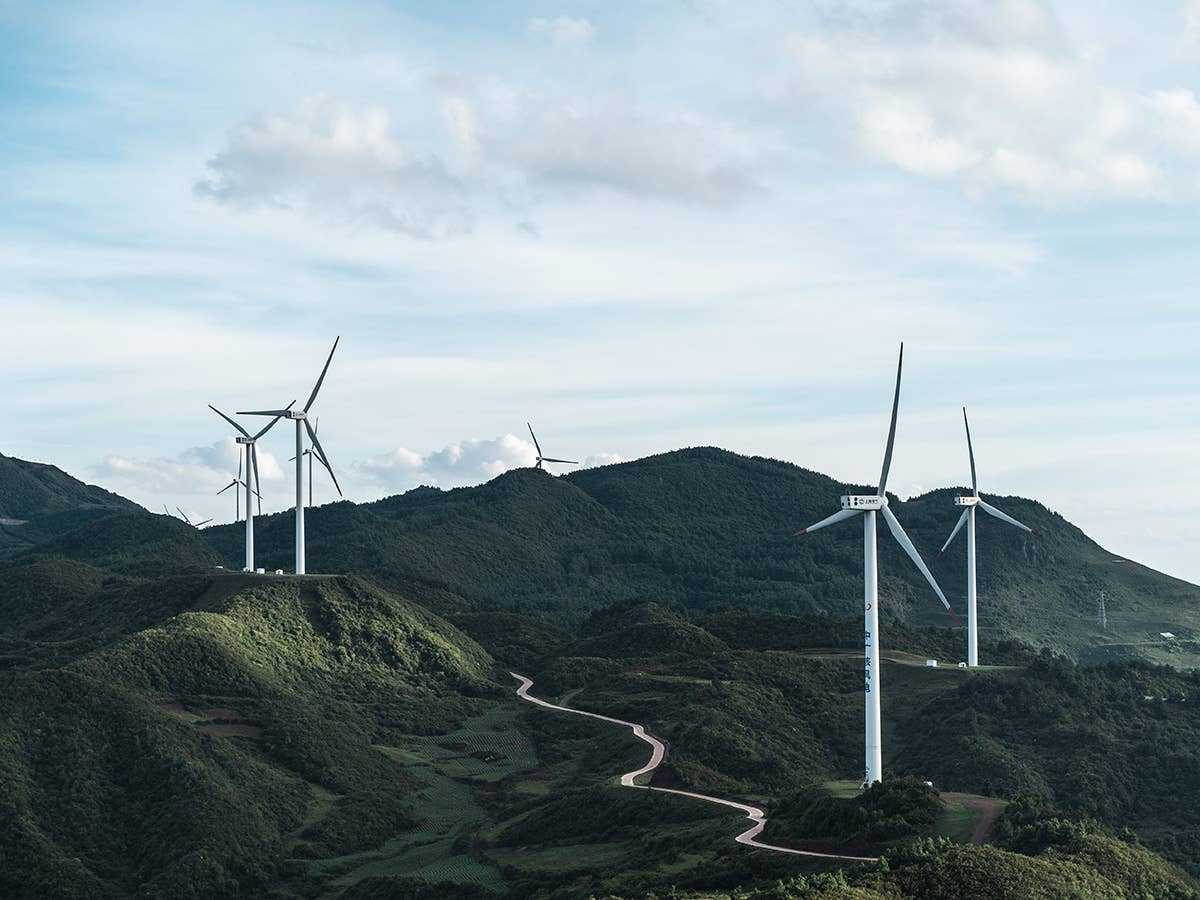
863	501
966	501
244	440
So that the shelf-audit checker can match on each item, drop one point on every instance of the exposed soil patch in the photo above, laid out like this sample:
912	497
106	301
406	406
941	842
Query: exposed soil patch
231	729
991	810
174	707
219	712
646	667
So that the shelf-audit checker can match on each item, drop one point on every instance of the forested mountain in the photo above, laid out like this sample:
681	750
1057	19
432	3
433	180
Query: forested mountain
708	529
169	728
39	501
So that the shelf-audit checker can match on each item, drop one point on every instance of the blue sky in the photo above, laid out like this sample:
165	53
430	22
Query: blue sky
641	226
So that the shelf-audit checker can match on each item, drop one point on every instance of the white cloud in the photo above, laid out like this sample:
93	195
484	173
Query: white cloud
993	96
900	130
469	461
496	150
1191	20
563	31
614	147
466	462
197	470
602	459
333	159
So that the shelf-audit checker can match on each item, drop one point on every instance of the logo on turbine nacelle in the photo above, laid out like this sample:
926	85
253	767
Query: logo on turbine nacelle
966	501
863	501
244	440
297	414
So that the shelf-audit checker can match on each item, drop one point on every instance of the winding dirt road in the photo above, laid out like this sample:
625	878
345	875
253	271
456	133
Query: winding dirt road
657	751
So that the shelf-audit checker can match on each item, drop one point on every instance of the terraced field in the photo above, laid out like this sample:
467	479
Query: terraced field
450	769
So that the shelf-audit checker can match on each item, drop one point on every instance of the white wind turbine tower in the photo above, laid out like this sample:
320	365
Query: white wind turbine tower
968	518
545	459
301	419
250	442
867	506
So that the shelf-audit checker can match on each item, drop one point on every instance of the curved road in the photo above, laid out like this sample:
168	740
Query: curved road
657	751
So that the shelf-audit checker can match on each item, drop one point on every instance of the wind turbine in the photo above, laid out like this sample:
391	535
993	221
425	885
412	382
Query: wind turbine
867	506
301	419
185	518
250	442
545	459
237	484
968	518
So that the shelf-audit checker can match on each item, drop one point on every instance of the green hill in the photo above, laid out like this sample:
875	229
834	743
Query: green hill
709	529
195	757
39	501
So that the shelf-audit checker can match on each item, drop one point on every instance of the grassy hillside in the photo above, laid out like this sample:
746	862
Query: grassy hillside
708	529
229	747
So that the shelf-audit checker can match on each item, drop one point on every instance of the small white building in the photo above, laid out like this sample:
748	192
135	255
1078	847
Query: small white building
962	665
931	663
1166	635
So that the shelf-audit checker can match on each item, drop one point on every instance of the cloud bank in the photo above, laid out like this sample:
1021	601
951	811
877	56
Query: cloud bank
196	470
466	462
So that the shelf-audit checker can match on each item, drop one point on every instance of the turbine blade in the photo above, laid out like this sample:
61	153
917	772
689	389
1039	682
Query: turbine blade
239	474
312	435
167	511
271	425
902	538
535	442
262	412
244	432
1003	517
962	520
840	516
183	516
971	452
570	462
257	480
317	387
227	487
205	522
891	441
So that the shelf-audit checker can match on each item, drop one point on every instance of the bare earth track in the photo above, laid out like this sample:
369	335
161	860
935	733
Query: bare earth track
990	810
657	751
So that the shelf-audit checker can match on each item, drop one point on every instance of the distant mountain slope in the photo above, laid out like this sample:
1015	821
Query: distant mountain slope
708	528
39	501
